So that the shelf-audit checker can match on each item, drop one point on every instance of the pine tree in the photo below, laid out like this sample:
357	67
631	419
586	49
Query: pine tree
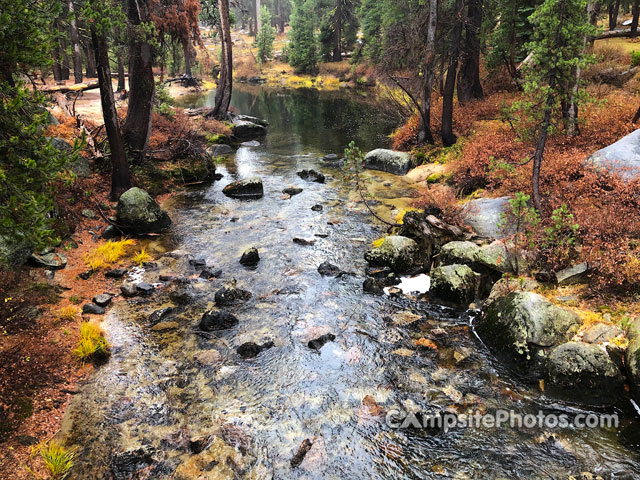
266	36
303	53
371	14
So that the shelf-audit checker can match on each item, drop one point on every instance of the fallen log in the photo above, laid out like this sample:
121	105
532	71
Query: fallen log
77	87
614	34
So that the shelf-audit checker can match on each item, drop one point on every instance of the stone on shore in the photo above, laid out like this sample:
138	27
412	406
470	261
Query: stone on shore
398	163
138	213
621	158
401	254
484	216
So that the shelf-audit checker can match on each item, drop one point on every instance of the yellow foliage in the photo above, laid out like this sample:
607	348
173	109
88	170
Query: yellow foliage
107	253
399	218
92	344
67	313
632	268
56	457
378	243
141	257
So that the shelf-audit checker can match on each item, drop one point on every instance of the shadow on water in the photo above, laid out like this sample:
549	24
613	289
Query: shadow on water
165	388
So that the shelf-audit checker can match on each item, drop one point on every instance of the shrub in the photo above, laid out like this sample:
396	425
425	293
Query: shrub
67	313
635	59
441	201
91	345
523	219
57	459
559	241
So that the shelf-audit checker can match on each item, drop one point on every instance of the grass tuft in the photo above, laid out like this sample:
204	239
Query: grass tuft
67	313
141	257
92	345
107	253
57	458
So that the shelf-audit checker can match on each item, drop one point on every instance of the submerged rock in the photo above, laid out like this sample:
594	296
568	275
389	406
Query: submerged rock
217	150
249	188
292	191
398	163
312	176
401	254
217	320
317	208
127	465
584	372
250	257
519	327
327	269
318	343
138	213
456	284
251	349
231	296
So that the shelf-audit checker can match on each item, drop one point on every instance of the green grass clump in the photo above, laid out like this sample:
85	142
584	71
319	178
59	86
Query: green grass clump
57	458
92	345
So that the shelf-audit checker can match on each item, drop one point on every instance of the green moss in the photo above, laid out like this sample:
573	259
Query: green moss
217	139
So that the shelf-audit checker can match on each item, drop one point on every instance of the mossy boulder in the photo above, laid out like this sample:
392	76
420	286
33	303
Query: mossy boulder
245	130
459	253
456	284
584	372
401	254
249	188
196	171
138	213
398	163
521	327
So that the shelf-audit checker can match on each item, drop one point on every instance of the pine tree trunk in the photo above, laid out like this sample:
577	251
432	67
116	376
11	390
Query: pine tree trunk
469	86
258	19
91	62
634	22
337	36
186	47
540	146
6	75
425	135
225	82
141	83
448	137
614	10
75	44
64	58
122	82
120	178
57	63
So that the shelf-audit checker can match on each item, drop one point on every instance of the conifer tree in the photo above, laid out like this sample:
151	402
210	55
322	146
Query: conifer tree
266	36
303	54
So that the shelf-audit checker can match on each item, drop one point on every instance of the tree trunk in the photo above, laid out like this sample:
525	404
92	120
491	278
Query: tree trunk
75	44
448	137
64	58
225	82
614	10
469	86
122	83
186	47
278	16
425	135
56	67
120	178
540	146
91	62
258	19
141	82
6	75
634	21
337	35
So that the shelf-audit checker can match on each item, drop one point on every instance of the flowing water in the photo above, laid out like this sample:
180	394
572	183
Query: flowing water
161	389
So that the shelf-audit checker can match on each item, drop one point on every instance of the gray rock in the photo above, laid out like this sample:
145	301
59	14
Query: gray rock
584	372
331	157
50	261
501	257
318	343
251	349
116	273
92	309
110	232
250	143
248	188
249	118
327	269
160	315
250	257
398	163
217	320
244	130
459	253
90	214
573	275
311	176
317	208
217	150
145	288
484	216
505	286
401	254
519	328
457	284
81	167
128	290
292	191
14	251
303	241
632	359
102	300
138	213
600	333
621	158
231	296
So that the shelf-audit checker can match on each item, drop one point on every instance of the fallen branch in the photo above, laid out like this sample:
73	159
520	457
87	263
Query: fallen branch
614	34
77	87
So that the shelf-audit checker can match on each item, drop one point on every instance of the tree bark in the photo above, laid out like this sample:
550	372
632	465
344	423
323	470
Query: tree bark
137	127
258	19
448	137
120	177
469	85
186	47
91	62
614	10
636	14
424	134
122	83
6	75
225	82
540	146
337	35
75	44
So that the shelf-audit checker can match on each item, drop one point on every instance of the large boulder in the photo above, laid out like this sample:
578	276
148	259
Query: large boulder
520	327
632	359
13	251
398	163
51	260
138	213
249	188
484	216
498	257
584	372
621	158
243	129
456	284
217	150
460	253
401	254
249	118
